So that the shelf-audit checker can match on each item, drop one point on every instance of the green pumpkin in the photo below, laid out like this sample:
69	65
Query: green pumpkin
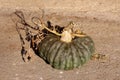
63	55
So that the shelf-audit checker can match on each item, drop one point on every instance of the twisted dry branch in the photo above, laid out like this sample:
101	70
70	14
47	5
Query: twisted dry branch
69	26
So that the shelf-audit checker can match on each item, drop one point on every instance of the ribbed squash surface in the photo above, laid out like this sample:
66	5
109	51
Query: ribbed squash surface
66	56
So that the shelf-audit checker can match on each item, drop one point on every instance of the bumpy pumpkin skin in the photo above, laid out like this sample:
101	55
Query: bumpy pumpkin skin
66	56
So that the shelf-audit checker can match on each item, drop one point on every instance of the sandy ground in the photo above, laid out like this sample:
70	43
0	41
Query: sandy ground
103	27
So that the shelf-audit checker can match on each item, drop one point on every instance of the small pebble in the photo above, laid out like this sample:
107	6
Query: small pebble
77	72
16	74
61	72
41	78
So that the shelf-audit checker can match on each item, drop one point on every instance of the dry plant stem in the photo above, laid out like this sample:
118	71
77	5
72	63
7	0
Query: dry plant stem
98	56
52	31
67	33
78	35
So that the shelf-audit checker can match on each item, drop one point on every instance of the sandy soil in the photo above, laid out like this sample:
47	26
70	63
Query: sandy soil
103	27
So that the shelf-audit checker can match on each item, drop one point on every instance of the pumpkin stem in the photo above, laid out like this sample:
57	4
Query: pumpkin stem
68	33
66	36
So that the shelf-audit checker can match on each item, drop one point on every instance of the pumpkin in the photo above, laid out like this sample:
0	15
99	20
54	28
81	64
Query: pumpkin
62	55
66	52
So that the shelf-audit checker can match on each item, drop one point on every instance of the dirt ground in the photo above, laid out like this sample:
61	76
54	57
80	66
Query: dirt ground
103	27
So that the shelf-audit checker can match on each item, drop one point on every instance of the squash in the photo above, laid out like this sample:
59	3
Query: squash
66	51
62	55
